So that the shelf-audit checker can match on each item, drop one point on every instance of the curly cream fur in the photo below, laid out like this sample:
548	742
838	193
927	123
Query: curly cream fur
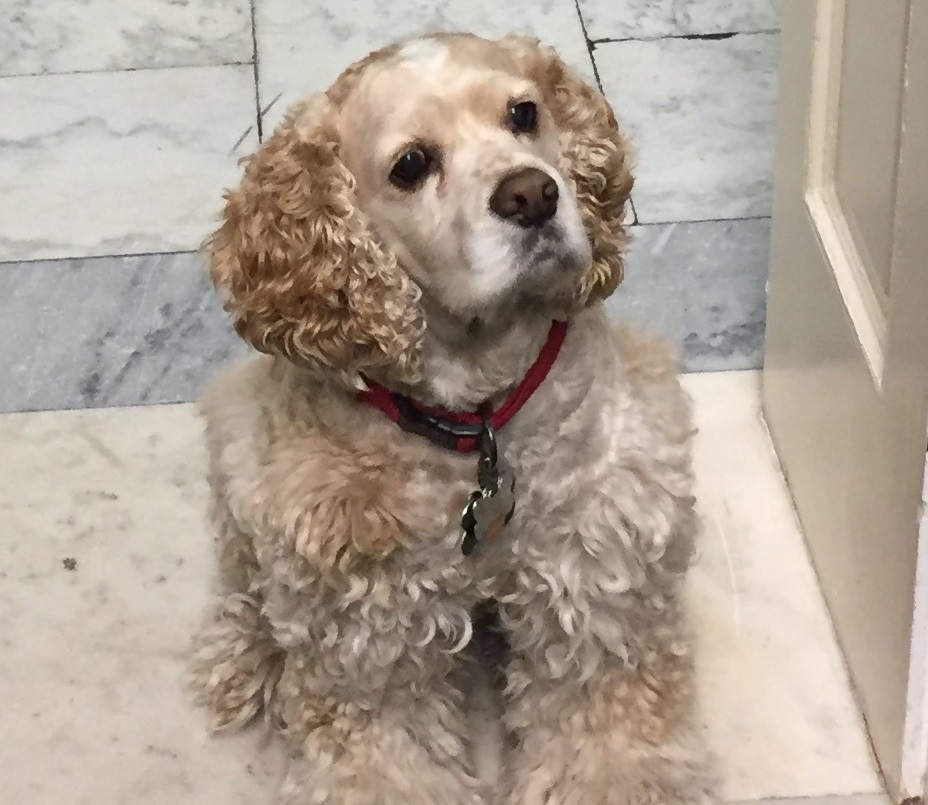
347	609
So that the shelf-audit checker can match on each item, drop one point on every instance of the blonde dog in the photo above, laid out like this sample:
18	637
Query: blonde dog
445	418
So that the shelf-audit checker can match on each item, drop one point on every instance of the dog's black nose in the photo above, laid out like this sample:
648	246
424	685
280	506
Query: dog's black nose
527	197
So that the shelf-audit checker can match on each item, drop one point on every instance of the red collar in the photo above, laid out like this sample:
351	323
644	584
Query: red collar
458	430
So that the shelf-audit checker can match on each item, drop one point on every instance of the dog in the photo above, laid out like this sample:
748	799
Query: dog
444	420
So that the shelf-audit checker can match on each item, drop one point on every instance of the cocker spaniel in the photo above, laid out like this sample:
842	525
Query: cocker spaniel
444	417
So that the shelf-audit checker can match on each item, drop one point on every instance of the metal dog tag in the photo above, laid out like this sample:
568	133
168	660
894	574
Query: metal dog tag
493	505
487	514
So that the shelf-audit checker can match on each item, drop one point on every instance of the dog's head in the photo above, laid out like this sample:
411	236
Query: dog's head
455	171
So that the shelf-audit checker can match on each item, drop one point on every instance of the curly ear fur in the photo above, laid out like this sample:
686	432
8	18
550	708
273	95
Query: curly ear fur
595	158
300	269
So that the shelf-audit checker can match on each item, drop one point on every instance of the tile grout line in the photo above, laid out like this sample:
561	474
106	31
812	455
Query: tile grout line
91	257
733	220
108	408
714	37
170	252
254	61
590	47
117	71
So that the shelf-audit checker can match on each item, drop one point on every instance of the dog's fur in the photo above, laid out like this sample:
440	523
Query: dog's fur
347	603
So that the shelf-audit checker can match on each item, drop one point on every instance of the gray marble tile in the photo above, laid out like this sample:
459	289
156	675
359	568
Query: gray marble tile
119	163
302	46
701	115
648	19
702	285
109	331
64	36
129	330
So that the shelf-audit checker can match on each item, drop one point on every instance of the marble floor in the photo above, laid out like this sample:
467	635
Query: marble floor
123	122
105	568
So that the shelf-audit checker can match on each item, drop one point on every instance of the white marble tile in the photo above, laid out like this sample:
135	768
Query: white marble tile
302	47
105	566
148	329
774	690
701	115
647	19
119	163
104	572
63	36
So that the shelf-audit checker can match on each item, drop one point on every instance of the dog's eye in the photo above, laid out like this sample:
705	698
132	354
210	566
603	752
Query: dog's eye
523	117
411	168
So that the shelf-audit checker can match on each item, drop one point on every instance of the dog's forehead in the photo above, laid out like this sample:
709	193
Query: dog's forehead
438	71
441	52
428	88
438	63
426	55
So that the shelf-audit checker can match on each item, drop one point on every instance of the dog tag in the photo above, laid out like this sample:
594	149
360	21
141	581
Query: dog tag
487	514
493	505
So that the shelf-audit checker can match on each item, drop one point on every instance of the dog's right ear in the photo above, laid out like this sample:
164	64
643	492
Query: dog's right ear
299	268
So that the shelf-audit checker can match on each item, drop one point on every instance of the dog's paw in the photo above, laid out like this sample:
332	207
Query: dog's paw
383	761
397	782
237	664
587	775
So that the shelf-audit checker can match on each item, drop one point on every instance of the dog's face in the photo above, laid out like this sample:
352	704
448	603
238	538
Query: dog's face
457	161
476	174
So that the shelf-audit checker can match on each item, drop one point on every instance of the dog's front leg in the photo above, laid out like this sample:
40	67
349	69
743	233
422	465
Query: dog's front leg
625	737
600	684
368	695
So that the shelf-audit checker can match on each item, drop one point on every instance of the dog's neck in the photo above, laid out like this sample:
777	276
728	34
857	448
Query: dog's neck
467	363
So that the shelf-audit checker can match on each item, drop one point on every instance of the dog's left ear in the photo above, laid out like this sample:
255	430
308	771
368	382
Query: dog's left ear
595	156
